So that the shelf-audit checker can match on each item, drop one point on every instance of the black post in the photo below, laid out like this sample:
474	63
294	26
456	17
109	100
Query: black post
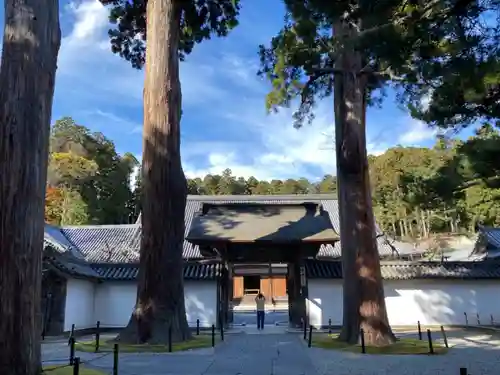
222	331
72	333
197	327
115	359
309	343
466	320
463	371
170	338
97	335
478	321
330	325
71	350
445	339
362	334
305	330
419	330
213	335
76	366
429	338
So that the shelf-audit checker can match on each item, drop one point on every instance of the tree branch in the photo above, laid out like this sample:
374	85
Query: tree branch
317	75
387	74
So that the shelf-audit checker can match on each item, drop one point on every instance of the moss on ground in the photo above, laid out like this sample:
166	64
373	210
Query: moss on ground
402	346
68	370
197	342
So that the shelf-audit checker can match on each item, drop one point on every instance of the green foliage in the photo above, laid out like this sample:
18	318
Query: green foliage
199	20
67	168
445	53
65	206
86	166
73	209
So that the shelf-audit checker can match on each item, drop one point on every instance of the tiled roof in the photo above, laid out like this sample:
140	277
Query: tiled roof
120	244
54	237
328	201
280	224
316	269
106	243
492	235
128	271
67	263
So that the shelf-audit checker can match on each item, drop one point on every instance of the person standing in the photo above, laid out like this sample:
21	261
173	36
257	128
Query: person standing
260	300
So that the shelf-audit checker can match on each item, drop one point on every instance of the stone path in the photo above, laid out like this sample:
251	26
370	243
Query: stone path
273	352
250	352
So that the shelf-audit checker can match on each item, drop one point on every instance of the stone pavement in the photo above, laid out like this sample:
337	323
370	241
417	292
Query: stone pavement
249	352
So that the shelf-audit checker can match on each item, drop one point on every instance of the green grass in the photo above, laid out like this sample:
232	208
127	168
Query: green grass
197	342
402	346
68	370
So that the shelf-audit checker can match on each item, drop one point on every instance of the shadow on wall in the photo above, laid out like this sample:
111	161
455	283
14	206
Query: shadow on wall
429	302
315	312
196	309
442	307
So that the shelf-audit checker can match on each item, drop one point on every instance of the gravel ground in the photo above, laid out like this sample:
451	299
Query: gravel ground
478	351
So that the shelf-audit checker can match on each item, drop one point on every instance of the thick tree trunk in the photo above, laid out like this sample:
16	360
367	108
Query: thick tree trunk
160	295
31	42
364	302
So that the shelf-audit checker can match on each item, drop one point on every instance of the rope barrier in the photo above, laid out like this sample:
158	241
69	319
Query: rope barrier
70	365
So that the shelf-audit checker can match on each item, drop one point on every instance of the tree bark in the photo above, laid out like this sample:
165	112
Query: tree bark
364	300
160	295
31	43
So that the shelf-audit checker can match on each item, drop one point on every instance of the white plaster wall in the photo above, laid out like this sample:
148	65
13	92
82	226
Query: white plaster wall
114	302
79	308
432	302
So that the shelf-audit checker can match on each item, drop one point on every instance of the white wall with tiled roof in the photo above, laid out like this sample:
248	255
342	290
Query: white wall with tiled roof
111	303
432	302
79	304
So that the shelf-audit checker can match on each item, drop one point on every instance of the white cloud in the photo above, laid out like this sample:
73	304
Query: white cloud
281	150
91	17
416	132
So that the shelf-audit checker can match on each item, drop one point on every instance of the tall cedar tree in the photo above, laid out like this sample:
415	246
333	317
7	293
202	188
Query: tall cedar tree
31	42
173	27
351	49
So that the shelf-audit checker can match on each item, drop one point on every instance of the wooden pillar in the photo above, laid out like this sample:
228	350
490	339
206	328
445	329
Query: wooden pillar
219	297
297	292
237	286
225	293
230	293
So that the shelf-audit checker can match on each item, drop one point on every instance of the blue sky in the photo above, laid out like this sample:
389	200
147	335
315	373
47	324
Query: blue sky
224	122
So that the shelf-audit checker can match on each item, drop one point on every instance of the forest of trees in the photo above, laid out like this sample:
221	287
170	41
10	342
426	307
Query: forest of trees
87	182
450	187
